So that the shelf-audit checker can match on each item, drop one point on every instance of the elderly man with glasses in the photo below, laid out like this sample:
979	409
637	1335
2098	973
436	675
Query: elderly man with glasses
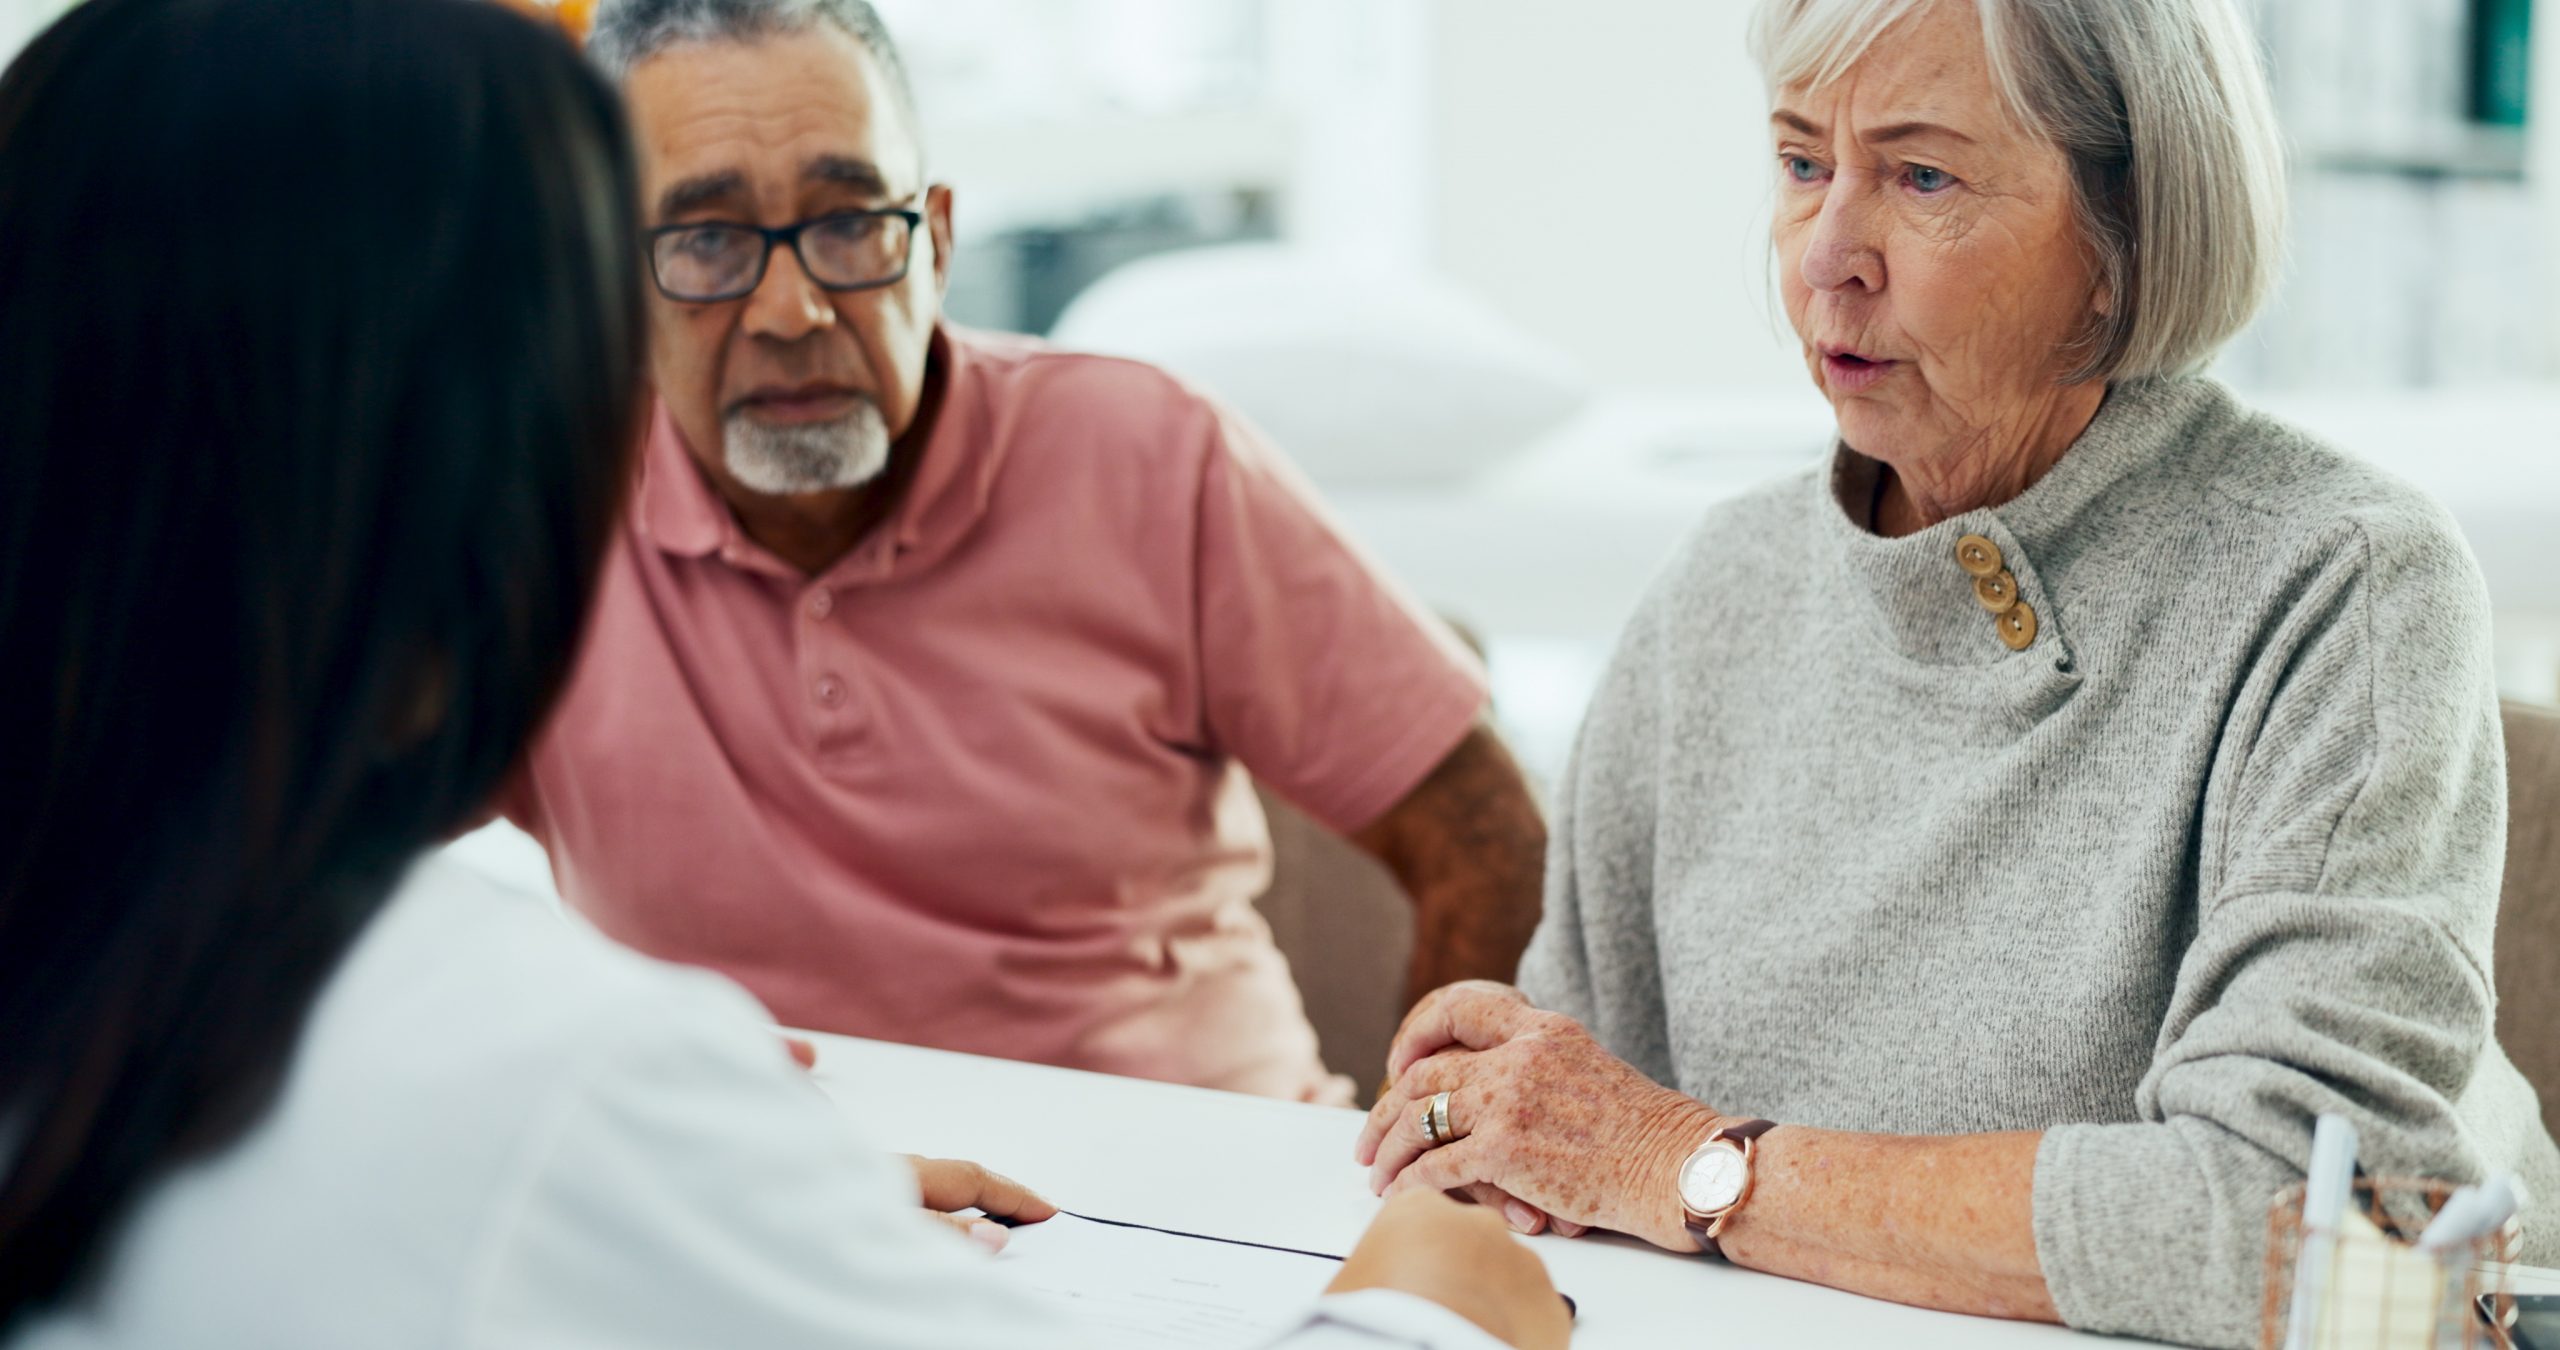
928	671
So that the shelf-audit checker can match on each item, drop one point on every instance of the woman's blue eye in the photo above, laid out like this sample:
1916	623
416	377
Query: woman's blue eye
1801	169
1926	179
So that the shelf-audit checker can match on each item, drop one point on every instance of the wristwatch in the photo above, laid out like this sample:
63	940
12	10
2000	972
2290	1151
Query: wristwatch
1716	1180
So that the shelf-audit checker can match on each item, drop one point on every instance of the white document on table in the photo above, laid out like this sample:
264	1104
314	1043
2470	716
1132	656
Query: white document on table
1139	1287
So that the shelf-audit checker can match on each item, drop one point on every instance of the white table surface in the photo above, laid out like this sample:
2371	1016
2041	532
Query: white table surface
1278	1172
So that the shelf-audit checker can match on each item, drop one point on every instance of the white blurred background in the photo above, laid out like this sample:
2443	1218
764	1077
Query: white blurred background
1496	272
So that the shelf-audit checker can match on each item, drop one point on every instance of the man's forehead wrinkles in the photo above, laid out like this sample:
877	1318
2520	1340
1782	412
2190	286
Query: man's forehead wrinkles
814	132
771	159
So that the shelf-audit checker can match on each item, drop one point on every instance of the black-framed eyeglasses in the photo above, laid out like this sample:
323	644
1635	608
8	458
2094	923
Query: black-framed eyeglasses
714	260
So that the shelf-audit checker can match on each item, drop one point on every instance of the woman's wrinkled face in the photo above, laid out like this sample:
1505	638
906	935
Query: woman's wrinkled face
1929	253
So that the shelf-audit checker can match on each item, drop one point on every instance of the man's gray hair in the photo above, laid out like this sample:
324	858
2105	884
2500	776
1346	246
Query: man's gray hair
628	32
2161	107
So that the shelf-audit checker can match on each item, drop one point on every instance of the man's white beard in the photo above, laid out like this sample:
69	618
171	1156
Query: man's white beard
811	457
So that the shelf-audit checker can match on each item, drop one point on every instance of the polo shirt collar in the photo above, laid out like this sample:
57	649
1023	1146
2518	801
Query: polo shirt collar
964	451
679	511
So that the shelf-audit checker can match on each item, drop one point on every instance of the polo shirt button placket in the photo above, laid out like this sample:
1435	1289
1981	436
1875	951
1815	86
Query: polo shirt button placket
833	717
836	717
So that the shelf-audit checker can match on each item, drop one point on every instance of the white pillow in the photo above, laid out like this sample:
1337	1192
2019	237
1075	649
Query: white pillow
1365	377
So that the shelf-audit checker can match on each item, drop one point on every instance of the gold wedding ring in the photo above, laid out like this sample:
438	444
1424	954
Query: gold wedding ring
1435	1121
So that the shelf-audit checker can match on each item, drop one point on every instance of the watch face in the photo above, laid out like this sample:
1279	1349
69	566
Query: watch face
1712	1178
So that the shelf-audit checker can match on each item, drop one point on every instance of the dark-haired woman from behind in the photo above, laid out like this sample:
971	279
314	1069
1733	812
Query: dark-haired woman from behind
318	362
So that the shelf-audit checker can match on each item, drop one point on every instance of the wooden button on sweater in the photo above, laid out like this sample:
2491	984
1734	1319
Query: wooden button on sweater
2017	626
1977	555
1996	592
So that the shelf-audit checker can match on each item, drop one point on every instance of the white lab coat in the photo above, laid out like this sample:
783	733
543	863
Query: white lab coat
500	1130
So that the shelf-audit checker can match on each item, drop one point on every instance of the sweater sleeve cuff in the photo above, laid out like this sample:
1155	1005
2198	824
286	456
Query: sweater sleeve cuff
2139	1233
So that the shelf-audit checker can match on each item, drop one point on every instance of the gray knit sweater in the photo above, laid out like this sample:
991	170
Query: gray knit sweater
2218	850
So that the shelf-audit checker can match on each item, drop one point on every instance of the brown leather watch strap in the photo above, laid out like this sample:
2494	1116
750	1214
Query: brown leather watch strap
1742	1132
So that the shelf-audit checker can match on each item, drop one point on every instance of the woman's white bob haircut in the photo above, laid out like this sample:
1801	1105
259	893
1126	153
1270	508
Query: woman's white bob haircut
2161	107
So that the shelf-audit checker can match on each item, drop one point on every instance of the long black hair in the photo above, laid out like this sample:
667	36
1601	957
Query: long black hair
320	358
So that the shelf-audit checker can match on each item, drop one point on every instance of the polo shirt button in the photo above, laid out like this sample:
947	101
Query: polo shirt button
1996	592
2017	626
821	604
830	690
1977	555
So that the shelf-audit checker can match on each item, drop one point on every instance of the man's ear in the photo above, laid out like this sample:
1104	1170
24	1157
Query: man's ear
937	218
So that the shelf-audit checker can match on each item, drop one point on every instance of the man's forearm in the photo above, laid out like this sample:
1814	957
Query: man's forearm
1468	928
1469	845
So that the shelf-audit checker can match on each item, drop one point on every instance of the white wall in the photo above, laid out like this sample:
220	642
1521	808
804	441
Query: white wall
1601	174
1355	75
1598	171
2543	168
21	20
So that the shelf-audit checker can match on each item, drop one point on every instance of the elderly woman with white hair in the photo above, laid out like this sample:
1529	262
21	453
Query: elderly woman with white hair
2046	810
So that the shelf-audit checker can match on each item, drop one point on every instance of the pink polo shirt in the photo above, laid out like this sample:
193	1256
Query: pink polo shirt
982	784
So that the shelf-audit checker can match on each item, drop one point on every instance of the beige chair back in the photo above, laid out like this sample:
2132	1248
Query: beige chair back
1347	929
2528	963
